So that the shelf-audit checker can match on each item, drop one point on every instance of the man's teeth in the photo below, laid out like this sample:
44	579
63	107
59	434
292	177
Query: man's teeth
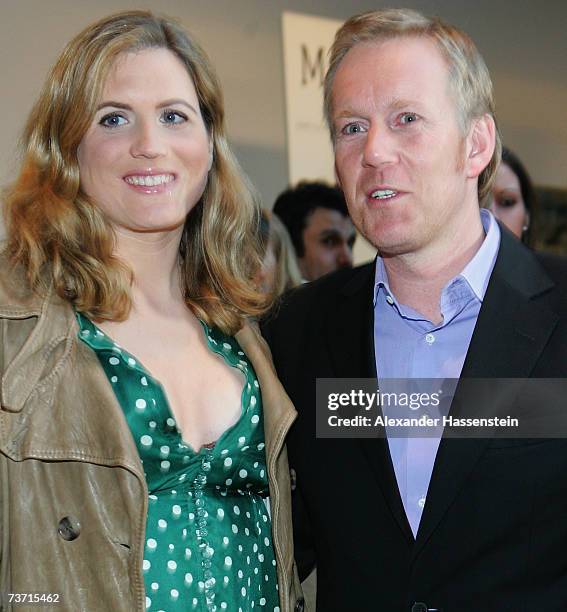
383	194
149	181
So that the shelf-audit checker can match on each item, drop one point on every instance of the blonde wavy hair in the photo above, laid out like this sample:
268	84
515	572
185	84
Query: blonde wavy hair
63	239
468	75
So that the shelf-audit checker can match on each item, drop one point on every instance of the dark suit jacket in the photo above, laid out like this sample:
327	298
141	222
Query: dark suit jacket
493	535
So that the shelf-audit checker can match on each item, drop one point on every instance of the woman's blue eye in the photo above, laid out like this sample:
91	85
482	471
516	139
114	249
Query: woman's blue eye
112	120
173	117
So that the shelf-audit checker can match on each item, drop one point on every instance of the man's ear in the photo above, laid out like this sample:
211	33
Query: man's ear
480	145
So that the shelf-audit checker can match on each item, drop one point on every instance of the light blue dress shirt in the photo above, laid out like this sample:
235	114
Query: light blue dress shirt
407	345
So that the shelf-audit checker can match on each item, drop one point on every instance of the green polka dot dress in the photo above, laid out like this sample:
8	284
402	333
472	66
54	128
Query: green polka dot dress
208	534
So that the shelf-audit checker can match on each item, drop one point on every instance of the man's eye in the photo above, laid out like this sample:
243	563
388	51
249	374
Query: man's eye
173	117
407	118
112	120
352	128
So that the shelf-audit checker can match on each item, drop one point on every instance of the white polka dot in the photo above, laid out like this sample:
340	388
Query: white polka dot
227	462
256	384
254	419
243	473
131	362
226	346
262	601
152	424
236	510
141	404
165	465
152	497
228	561
261	558
228	482
220	513
162	524
262	473
246	531
170	422
234	529
174	593
152	544
171	566
191	516
255	464
243	591
144	381
187	553
225	541
188	579
266	541
240	574
146	565
146	440
261	446
148	602
154	586
176	510
223	605
225	579
164	450
224	451
114	379
241	440
255	547
171	547
252	401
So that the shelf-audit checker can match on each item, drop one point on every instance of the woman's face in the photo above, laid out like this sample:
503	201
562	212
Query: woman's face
146	155
507	203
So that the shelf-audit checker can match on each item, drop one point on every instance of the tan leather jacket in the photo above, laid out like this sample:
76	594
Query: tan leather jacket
73	498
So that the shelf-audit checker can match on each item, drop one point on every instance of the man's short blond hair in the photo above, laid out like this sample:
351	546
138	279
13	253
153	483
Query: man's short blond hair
468	75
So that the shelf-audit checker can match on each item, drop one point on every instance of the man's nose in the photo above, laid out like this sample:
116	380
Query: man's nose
147	141
379	147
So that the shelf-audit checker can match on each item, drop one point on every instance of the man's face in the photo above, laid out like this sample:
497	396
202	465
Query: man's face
399	151
328	239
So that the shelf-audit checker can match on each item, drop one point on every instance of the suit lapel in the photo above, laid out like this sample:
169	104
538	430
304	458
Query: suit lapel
350	336
512	329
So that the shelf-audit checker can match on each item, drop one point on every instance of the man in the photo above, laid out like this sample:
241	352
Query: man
317	220
417	525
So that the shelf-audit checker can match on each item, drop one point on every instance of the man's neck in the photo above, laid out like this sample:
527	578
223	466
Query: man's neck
417	279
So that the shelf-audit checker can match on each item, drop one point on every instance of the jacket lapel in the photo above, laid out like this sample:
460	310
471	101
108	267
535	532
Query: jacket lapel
350	338
512	329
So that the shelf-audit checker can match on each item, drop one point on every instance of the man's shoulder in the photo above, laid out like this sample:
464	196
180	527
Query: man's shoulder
323	292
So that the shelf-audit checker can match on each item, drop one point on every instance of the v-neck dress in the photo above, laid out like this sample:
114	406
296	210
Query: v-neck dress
208	533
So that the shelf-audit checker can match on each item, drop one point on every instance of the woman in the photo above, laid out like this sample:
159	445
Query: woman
136	448
279	271
513	198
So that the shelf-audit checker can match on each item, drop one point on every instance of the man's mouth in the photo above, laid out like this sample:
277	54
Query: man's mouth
383	194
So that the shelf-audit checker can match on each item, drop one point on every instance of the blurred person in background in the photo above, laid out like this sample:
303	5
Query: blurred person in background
131	240
279	271
317	219
513	200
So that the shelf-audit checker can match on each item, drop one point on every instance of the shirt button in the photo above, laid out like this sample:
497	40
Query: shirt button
421	502
389	299
430	338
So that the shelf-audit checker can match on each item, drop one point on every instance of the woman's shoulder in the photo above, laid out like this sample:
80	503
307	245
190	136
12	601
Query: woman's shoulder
16	295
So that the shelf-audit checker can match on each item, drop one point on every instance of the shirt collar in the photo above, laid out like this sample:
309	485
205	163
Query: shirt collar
476	273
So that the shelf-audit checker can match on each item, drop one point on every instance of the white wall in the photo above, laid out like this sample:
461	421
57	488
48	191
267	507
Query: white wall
524	43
